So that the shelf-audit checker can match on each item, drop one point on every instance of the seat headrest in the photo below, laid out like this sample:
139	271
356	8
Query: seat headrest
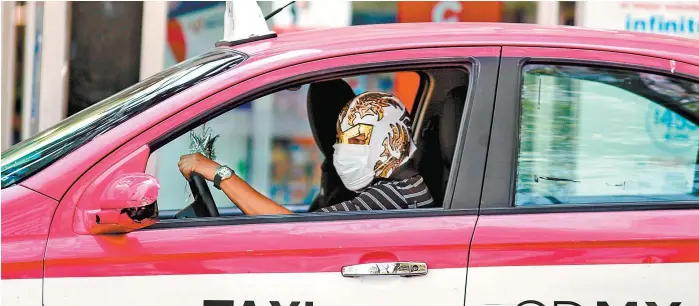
325	101
450	121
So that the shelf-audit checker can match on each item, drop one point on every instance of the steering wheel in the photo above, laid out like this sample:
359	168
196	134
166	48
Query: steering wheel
204	205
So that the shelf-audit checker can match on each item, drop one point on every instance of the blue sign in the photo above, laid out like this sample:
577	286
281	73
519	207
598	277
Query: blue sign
662	24
669	131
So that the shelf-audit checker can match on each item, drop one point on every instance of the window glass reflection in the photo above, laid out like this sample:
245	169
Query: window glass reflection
592	135
268	142
33	154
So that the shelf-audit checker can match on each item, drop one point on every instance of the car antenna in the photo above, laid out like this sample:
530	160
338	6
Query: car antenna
278	10
243	22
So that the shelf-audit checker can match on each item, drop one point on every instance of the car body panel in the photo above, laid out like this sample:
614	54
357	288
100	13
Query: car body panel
371	38
613	253
582	238
252	253
276	247
26	218
585	257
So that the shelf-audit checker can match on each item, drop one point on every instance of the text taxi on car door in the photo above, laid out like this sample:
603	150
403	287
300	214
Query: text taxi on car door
564	160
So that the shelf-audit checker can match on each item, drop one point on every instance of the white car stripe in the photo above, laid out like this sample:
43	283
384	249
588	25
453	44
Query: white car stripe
21	292
444	287
585	285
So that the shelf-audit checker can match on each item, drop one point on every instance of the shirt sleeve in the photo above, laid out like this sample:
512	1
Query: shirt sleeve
379	197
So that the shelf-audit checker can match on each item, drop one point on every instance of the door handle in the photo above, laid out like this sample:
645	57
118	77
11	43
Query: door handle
403	269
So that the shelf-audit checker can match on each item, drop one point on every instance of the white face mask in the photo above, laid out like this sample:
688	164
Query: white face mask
351	162
386	144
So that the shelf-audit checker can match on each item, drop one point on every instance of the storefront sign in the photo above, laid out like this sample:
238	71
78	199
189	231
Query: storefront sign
311	15
671	18
193	28
449	11
440	11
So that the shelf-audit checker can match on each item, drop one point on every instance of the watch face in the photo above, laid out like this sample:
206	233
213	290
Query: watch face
224	172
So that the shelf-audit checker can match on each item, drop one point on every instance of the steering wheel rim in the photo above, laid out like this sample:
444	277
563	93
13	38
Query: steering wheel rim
202	193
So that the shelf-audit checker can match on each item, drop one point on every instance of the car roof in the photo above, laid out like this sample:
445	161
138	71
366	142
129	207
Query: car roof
368	38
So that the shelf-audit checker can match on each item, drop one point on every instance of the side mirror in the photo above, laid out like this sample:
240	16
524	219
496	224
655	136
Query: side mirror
128	203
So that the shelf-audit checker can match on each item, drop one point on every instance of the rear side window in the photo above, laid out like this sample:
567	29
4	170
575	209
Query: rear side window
599	135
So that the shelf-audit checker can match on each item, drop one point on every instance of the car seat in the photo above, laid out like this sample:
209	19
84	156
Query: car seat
325	101
438	142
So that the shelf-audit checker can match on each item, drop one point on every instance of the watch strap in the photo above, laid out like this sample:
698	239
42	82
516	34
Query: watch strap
217	181
218	178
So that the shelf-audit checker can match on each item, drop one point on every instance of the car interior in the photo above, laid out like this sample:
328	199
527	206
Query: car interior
436	116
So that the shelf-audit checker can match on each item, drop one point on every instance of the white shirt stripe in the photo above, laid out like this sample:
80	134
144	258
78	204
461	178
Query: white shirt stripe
398	193
423	203
387	198
376	201
363	203
412	195
411	186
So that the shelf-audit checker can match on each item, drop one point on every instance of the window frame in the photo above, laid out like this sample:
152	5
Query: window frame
235	103
477	65
502	160
304	79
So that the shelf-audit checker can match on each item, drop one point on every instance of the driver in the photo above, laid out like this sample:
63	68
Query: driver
372	157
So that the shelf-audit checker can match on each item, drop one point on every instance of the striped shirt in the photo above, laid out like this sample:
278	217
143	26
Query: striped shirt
388	194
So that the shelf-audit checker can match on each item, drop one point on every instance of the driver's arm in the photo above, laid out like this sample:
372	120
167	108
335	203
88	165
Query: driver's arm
236	189
250	201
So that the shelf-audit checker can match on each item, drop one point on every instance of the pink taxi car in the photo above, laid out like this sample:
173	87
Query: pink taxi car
565	160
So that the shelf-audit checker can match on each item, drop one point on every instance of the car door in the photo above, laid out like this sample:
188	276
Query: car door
590	195
281	260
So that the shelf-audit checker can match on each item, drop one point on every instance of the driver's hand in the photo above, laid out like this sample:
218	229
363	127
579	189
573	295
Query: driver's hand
197	163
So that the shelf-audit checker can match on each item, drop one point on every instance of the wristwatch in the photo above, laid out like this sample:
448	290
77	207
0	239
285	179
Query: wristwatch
222	173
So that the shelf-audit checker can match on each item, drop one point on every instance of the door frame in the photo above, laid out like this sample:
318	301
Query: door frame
583	253
501	167
485	60
465	189
482	63
466	186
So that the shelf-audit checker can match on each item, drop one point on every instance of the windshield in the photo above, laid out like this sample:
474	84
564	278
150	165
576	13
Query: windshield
31	155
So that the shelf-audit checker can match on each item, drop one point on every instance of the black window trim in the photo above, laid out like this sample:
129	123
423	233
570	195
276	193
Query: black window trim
309	217
475	65
501	166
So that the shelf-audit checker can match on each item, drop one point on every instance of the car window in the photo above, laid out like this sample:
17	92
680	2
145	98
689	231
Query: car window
268	142
600	135
403	84
31	155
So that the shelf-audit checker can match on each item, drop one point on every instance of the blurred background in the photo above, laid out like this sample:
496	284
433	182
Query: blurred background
61	57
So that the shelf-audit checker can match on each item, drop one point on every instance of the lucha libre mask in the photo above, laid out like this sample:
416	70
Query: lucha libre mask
374	138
